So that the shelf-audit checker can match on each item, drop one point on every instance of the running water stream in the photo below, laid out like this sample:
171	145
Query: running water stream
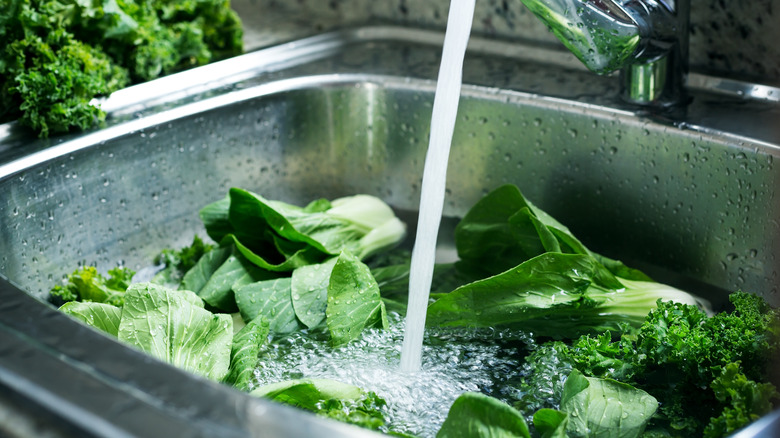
445	108
430	378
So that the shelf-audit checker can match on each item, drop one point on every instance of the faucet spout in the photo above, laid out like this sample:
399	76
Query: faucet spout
646	39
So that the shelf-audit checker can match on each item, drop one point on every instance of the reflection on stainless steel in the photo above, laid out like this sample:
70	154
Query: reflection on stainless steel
730	87
647	39
691	200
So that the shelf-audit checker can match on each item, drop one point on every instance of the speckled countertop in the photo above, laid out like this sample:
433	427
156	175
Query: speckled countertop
730	39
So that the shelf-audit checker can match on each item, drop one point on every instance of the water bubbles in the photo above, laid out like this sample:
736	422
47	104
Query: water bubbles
417	402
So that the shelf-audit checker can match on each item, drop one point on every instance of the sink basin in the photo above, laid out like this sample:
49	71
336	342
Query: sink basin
348	113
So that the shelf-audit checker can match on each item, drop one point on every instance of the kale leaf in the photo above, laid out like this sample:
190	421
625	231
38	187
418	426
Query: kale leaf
708	373
176	263
51	79
61	54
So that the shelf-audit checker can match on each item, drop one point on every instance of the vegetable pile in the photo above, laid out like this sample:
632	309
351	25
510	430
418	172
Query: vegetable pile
616	354
60	54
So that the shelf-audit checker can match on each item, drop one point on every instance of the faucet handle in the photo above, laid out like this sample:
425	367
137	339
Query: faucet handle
603	34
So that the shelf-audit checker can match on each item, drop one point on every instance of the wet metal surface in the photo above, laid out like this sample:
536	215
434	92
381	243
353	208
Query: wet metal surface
672	193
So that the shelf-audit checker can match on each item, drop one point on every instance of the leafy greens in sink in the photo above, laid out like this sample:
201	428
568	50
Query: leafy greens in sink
618	355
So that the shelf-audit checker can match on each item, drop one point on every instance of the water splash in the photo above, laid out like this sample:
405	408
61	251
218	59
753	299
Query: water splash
454	361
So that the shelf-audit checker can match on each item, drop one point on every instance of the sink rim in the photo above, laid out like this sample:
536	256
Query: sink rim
199	82
285	85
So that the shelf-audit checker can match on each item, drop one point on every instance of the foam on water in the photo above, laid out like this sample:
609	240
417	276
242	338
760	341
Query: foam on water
417	403
445	109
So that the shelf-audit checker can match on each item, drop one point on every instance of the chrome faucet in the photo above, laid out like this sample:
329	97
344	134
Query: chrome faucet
646	39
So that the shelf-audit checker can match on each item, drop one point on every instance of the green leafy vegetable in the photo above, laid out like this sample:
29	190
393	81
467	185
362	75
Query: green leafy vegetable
691	363
165	324
353	300
281	237
551	423
541	278
219	289
329	398
277	267
271	299
605	408
247	344
174	326
86	284
178	262
309	290
49	81
101	316
199	274
278	237
553	294
745	401
475	415
60	54
503	229
545	371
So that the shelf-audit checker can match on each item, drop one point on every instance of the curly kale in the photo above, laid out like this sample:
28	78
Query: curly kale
744	400
56	78
61	54
176	263
185	258
709	374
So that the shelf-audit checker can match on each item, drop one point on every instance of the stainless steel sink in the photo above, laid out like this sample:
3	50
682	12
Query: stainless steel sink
689	196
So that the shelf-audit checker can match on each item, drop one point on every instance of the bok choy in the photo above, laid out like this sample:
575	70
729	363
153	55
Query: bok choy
535	275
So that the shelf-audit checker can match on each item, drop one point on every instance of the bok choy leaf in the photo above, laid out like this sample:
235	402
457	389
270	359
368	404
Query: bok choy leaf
279	236
536	276
475	415
169	326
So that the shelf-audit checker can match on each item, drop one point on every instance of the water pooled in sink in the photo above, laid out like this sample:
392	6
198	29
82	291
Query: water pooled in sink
445	108
454	361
